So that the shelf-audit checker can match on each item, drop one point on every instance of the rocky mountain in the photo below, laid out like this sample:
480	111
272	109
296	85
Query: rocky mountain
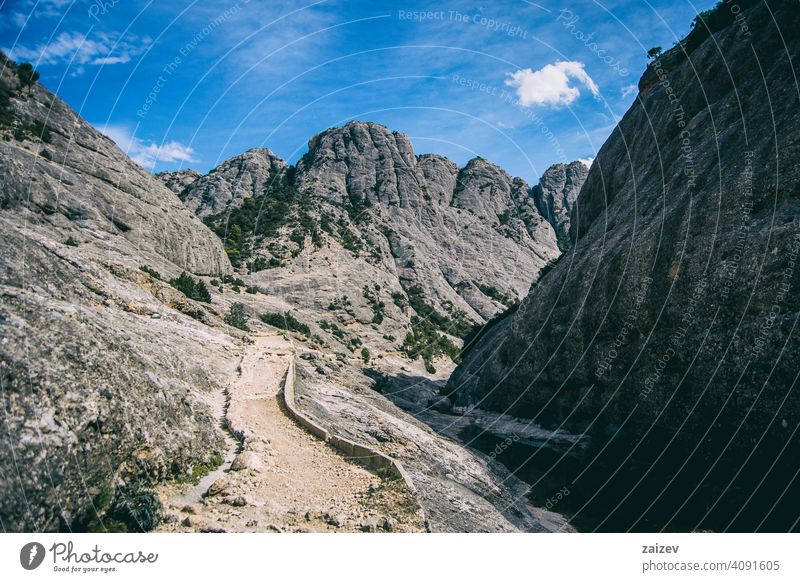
406	251
555	195
100	372
668	335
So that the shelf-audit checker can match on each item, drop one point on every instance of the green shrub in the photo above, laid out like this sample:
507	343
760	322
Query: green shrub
262	217
287	322
137	508
494	293
459	326
350	240
337	331
71	242
399	299
342	302
236	317
200	470
233	281
150	271
257	264
192	288
424	341
365	355
27	74
378	307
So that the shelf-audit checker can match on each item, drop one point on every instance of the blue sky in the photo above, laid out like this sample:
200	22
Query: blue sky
189	84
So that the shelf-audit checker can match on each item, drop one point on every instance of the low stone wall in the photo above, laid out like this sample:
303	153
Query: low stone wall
363	454
291	405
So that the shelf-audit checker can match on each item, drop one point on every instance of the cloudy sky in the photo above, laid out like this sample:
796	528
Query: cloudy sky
189	83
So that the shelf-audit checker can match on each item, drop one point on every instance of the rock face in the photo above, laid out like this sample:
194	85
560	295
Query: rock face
555	195
117	199
100	377
669	333
249	174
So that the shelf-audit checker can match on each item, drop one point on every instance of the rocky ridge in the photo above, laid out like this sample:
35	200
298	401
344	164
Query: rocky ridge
555	195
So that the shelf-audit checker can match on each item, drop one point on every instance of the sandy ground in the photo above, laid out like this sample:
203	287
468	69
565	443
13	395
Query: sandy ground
281	478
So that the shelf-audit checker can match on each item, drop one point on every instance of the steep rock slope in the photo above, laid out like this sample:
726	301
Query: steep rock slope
99	377
669	333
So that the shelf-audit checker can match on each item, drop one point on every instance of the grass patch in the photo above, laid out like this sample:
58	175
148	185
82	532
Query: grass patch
199	471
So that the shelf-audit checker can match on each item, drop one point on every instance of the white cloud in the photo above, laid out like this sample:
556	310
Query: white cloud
148	154
78	49
551	85
629	90
586	161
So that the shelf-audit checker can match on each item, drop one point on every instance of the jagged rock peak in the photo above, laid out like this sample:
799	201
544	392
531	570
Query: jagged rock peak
364	160
229	184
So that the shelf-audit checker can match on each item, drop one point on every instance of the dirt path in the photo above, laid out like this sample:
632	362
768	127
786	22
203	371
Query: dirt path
283	479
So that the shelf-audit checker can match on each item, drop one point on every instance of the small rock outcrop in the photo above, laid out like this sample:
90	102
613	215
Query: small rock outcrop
178	181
